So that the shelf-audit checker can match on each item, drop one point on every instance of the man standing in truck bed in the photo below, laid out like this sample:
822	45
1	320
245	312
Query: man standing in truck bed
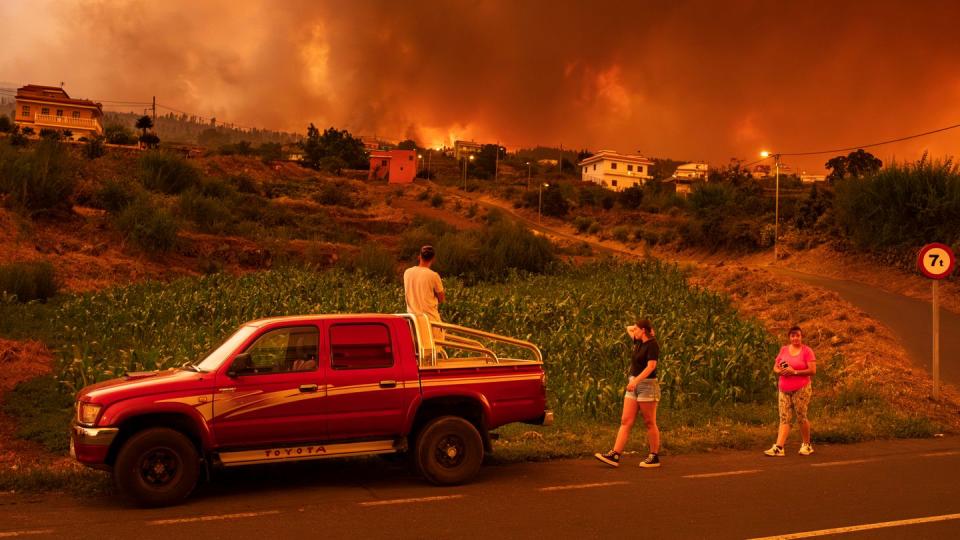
423	288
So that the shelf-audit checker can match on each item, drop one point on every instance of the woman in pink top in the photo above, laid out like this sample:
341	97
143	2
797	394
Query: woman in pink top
795	364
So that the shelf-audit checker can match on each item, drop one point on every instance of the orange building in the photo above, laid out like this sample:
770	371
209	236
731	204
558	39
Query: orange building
397	166
49	107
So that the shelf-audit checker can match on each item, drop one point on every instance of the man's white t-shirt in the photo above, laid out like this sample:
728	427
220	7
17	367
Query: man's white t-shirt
421	286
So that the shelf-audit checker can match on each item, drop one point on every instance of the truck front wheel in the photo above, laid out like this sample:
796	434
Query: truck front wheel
449	451
157	467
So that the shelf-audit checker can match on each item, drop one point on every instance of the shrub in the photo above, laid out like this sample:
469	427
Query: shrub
631	198
270	151
6	126
167	172
149	140
50	134
245	184
28	280
331	164
423	195
208	213
436	201
902	206
372	261
94	148
119	134
621	233
40	179
594	228
583	223
150	228
340	193
117	194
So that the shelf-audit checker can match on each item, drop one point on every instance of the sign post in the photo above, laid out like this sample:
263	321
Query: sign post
936	261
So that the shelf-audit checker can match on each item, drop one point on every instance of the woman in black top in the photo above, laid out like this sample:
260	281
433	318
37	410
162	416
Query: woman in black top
643	394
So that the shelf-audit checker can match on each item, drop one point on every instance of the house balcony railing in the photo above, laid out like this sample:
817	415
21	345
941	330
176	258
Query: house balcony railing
66	122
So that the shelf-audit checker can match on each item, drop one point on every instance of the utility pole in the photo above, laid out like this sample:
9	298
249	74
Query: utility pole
496	163
560	162
154	112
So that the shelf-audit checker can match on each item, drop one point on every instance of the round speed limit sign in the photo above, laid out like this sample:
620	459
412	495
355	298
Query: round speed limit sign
936	261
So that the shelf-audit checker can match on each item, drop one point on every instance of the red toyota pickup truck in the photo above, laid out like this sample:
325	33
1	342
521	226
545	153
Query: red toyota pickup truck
309	387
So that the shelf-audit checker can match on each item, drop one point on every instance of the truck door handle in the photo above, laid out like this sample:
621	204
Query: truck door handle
388	384
308	388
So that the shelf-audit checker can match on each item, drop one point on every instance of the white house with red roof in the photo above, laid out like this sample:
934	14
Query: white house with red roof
616	171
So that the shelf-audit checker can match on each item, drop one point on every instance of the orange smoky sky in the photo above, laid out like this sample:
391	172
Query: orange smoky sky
685	80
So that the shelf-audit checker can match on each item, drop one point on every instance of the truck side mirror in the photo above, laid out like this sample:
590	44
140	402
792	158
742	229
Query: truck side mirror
241	363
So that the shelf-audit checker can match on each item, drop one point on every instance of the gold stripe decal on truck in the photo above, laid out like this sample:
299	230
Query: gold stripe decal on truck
300	453
480	380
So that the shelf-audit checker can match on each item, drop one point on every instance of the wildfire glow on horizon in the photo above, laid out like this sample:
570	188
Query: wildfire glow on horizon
687	80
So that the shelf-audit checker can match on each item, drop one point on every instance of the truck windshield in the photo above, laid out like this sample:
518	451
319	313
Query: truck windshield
214	359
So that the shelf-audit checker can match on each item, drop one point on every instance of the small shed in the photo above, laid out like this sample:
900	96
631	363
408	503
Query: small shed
396	166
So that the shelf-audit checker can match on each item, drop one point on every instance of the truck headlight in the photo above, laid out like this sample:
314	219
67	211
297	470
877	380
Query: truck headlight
87	413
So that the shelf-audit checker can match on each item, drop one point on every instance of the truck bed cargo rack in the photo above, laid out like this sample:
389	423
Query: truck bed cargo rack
438	343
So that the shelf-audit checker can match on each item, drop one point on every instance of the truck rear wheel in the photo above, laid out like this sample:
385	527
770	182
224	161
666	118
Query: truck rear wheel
449	451
157	467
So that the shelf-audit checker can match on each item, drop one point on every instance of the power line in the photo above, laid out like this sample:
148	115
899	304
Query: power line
858	147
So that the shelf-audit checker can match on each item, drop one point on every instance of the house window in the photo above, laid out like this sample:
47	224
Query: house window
59	112
26	110
584	170
613	165
594	166
409	158
629	167
45	110
76	115
383	163
613	183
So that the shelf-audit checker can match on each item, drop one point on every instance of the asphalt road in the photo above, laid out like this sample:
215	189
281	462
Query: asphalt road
909	318
716	495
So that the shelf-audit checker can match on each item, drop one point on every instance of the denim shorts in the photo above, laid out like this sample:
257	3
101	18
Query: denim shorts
647	390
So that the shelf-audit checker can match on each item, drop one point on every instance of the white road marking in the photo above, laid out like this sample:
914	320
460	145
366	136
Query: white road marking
865	527
212	518
583	486
12	534
408	501
848	462
728	473
944	453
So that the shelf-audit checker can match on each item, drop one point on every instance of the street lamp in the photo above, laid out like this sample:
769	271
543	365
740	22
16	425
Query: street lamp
465	163
776	204
540	201
419	163
528	176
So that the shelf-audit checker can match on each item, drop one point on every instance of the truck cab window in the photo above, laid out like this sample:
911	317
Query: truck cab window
284	350
360	346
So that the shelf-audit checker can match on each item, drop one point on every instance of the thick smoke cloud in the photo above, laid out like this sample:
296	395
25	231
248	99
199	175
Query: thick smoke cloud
688	80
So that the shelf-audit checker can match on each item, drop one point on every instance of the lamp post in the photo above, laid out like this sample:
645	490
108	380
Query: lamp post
465	162
776	204
540	201
419	163
528	176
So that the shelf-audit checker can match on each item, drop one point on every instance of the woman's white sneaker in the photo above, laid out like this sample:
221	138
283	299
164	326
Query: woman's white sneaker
775	451
806	449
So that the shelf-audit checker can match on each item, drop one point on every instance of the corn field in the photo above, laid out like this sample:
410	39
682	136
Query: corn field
577	318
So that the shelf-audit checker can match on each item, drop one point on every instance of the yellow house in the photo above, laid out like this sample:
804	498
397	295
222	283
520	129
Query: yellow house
49	107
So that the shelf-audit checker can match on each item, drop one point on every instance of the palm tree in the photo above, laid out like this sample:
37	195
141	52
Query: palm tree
144	123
